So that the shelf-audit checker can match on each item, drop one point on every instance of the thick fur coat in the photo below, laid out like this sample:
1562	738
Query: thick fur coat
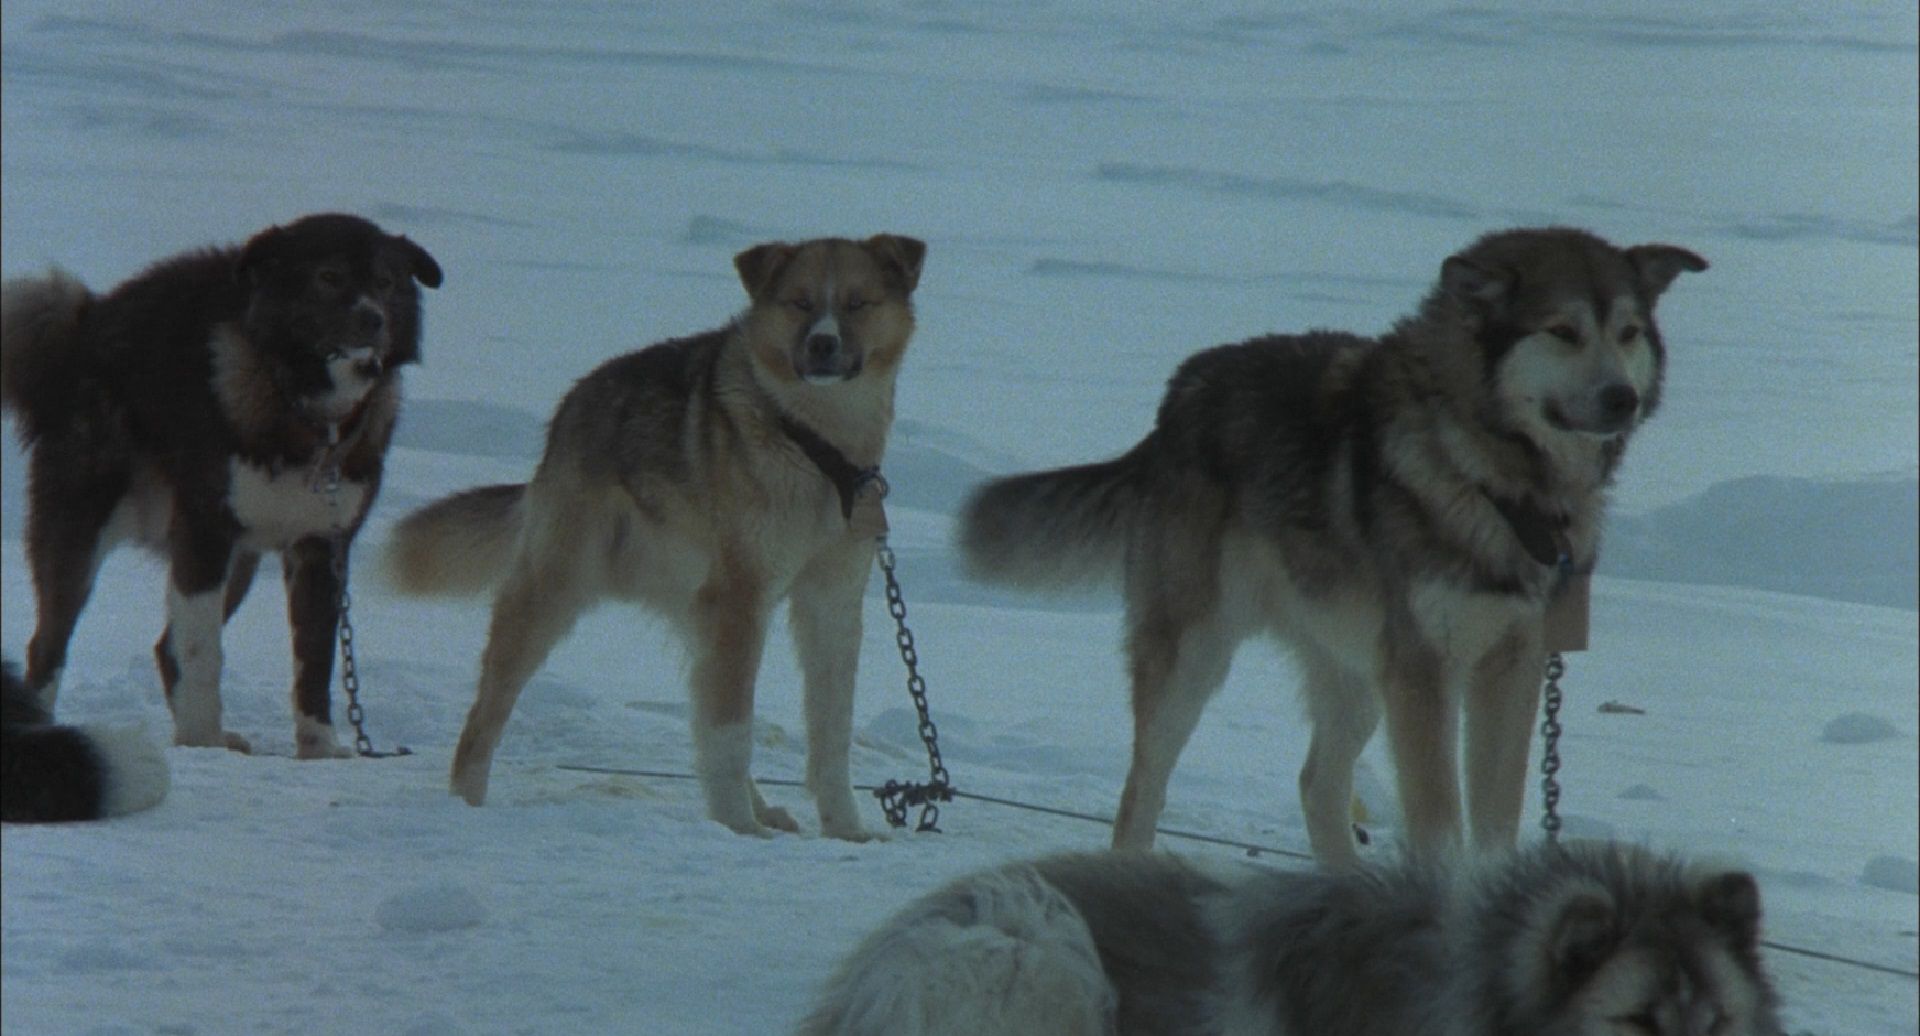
709	479
222	404
1398	510
1586	940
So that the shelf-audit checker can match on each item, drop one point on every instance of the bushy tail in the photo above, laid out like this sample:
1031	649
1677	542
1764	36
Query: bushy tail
456	546
1053	530
51	773
999	954
39	323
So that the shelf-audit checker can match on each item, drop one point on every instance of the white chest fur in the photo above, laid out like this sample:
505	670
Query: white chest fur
1463	624
276	508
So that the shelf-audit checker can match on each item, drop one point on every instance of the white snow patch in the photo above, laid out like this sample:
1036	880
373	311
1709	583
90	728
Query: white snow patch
97	954
438	906
434	1023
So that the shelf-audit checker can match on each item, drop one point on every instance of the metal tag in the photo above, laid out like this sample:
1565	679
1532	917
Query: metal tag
1568	614
869	518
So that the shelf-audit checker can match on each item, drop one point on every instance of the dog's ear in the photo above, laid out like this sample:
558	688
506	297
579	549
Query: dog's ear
1730	902
760	266
1580	935
1473	281
259	255
425	269
901	256
1658	265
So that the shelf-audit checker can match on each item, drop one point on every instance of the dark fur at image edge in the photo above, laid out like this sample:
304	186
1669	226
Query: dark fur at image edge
51	773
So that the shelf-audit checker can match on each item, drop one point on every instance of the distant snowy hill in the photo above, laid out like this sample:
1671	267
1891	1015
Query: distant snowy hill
1843	539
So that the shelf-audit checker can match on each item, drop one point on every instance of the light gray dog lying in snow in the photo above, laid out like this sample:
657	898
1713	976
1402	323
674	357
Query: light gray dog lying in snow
1578	940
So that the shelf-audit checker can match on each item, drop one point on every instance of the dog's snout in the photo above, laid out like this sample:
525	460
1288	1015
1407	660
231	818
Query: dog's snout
822	347
823	356
1618	402
368	318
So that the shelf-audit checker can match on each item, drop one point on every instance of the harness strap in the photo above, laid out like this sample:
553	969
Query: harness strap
847	477
1542	535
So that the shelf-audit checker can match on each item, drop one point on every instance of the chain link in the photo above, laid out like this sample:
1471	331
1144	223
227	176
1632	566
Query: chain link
349	668
343	604
897	796
1550	760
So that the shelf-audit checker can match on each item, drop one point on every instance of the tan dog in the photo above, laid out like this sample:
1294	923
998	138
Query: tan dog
707	478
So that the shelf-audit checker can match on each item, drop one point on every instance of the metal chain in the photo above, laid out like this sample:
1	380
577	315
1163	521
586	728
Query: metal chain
1550	761
343	606
349	669
897	796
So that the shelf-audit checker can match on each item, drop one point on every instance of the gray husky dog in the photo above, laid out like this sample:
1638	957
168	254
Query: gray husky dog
1399	510
1575	940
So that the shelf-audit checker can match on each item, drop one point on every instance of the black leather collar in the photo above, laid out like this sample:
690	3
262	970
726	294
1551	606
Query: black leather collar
1543	535
847	478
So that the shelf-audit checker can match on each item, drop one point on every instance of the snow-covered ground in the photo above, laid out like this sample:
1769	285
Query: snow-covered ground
1104	188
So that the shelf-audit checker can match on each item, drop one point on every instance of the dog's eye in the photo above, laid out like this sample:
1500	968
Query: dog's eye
803	304
1566	333
1629	335
382	283
855	305
332	280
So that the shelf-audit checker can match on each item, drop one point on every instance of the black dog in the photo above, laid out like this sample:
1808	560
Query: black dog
223	403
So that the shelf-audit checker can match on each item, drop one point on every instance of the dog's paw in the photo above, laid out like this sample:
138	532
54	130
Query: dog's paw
735	802
840	819
305	749
750	828
852	832
226	739
760	821
775	818
313	740
470	787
